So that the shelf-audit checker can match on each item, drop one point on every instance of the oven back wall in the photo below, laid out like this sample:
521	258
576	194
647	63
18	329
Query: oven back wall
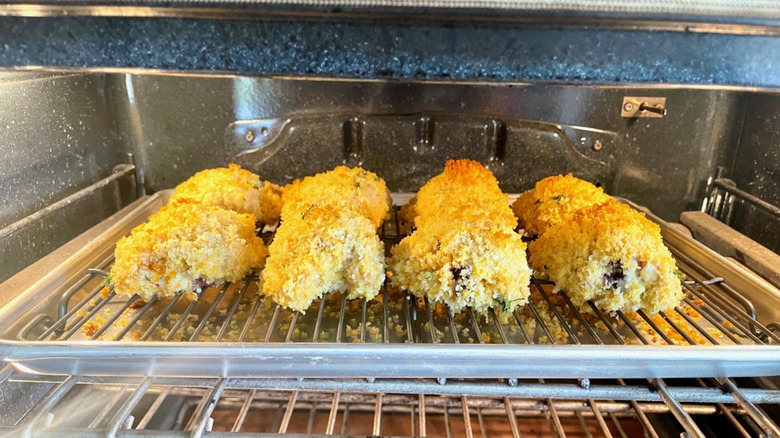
63	132
286	128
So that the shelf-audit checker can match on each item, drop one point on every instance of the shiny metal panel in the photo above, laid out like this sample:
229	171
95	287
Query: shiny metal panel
57	137
663	164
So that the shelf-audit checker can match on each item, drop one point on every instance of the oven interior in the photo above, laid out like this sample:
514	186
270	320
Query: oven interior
89	155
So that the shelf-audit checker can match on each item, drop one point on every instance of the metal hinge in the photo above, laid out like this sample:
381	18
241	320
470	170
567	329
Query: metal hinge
643	107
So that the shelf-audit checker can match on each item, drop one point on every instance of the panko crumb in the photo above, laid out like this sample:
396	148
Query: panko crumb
352	189
553	201
610	254
92	326
323	250
233	188
464	252
185	247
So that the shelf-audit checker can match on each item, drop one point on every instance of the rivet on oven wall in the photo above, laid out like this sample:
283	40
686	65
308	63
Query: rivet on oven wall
597	145
643	107
250	136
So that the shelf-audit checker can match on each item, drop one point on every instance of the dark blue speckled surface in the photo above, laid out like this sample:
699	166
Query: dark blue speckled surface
372	50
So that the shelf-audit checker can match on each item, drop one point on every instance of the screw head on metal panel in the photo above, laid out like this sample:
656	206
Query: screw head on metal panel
249	136
597	146
628	106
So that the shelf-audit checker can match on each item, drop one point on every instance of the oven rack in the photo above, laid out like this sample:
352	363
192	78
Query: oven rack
84	406
231	331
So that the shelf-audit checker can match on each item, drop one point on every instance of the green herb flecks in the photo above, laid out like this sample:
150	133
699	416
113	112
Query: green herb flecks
679	274
558	198
107	281
538	201
506	305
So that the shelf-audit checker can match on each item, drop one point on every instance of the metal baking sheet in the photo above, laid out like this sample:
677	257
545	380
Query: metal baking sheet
231	332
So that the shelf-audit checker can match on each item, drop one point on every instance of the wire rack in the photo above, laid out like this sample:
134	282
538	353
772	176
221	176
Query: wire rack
394	325
81	406
93	396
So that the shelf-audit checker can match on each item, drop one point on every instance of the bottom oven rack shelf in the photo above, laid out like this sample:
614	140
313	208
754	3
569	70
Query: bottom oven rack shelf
84	406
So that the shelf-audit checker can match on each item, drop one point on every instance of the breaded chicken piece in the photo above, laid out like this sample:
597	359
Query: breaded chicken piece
480	264
320	250
465	187
233	188
554	200
356	189
185	247
611	254
465	251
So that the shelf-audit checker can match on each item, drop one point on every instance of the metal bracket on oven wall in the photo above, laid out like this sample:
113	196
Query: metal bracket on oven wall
643	107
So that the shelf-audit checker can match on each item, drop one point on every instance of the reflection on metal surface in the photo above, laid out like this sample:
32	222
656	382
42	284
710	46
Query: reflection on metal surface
422	141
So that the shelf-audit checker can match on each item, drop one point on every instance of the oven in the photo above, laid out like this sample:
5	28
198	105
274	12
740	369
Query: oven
104	107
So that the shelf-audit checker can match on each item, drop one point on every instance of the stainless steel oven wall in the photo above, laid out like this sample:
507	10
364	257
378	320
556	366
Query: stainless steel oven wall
405	131
757	170
66	132
57	137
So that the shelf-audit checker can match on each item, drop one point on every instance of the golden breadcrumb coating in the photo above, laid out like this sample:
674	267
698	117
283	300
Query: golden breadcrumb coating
183	248
235	189
356	189
480	264
554	200
465	251
611	254
464	188
320	250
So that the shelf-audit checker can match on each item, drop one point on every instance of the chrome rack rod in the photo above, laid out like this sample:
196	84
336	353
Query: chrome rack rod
334	410
205	318
466	416
510	413
127	407
557	313
54	395
288	412
83	320
203	416
116	316
250	395
59	325
318	323
685	420
229	317
753	411
730	416
160	317
155	406
182	319
422	427
377	427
